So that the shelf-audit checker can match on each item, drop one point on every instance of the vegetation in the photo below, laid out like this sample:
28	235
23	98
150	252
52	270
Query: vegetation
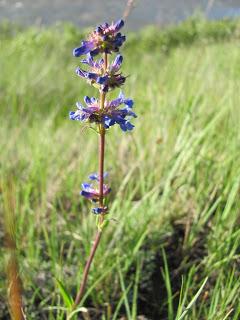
179	222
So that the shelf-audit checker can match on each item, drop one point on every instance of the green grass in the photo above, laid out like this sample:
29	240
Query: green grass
175	179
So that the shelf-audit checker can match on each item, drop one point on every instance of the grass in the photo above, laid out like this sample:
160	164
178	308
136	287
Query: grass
175	180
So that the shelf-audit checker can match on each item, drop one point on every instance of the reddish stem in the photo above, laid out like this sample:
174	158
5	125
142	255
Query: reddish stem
86	270
101	169
101	199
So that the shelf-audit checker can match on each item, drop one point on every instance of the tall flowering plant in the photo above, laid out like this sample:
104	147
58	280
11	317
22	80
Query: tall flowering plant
105	75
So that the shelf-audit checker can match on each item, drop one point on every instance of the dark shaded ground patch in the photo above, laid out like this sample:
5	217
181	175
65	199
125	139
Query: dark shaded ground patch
152	289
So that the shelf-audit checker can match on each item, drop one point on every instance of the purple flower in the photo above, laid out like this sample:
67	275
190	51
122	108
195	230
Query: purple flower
86	47
95	176
112	113
91	192
116	65
105	80
105	38
99	210
89	113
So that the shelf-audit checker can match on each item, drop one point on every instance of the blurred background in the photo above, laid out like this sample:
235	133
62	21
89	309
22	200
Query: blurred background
85	13
175	179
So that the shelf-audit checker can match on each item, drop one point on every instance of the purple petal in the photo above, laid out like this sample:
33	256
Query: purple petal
128	126
94	52
99	210
87	195
76	116
95	176
86	47
87	100
81	73
117	63
79	105
128	102
98	29
72	115
115	103
102	80
106	189
89	111
108	122
92	76
90	59
105	25
86	186
118	25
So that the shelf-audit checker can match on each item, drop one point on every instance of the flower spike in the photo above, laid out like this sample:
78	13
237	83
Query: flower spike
105	75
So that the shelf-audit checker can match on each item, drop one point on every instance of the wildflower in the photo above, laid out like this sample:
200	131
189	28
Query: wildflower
104	79
91	192
105	76
115	115
89	113
105	38
95	176
110	115
99	210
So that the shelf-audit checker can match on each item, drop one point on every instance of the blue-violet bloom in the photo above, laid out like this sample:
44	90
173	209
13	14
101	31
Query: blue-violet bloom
105	38
91	192
99	210
97	76
110	115
95	176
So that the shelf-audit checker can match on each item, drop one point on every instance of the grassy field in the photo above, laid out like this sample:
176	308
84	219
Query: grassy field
175	180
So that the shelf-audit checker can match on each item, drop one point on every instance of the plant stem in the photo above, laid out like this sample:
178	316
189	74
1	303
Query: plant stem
86	270
101	169
101	197
102	146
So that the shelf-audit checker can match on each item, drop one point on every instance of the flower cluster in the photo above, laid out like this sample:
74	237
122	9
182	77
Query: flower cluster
105	38
103	79
105	75
91	192
111	113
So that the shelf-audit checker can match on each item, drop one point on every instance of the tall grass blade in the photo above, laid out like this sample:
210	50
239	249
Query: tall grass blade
185	312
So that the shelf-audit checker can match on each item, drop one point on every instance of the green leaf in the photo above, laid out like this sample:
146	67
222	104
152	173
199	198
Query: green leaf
68	300
193	300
